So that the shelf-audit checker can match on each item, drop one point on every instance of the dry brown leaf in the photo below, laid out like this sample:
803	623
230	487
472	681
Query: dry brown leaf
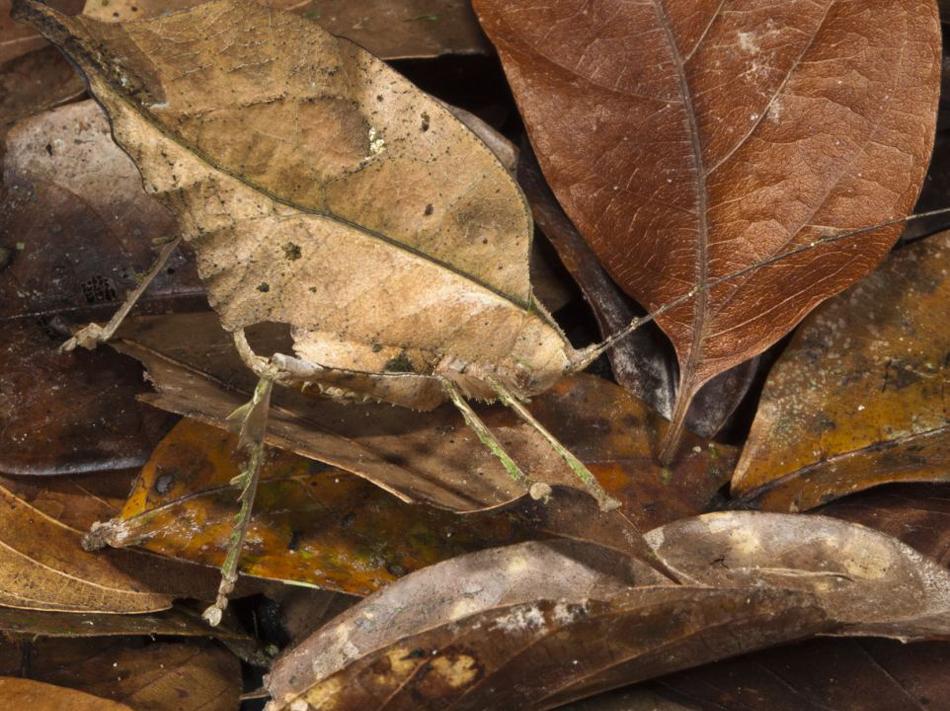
860	396
43	567
29	694
390	29
29	624
513	627
725	134
433	457
164	676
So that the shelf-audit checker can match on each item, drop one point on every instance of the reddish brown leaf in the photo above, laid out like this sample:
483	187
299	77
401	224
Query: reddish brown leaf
725	133
26	693
33	83
17	39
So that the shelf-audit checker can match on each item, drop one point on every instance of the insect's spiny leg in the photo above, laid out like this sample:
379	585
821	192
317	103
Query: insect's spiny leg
537	490
604	500
92	334
253	418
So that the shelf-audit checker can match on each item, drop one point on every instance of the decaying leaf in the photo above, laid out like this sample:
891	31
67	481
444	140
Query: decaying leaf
33	83
820	675
641	362
513	628
79	226
916	514
390	29
433	457
164	676
29	624
725	134
75	501
870	583
860	397
30	694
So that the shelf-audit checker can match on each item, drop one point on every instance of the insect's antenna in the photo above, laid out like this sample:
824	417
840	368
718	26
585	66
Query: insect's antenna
590	354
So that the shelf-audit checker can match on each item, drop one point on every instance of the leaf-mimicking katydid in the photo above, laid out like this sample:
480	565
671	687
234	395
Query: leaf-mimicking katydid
320	189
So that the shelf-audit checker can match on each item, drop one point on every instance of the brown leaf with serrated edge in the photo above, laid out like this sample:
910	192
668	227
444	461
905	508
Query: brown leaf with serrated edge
726	133
525	637
859	397
27	693
318	525
390	29
163	676
433	457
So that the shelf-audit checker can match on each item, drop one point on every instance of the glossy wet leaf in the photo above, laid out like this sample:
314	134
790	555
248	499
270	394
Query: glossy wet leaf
390	29
433	457
725	134
859	398
510	628
443	264
163	676
27	693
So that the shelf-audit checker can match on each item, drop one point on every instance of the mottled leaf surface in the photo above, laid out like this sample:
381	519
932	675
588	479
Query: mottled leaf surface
723	134
860	396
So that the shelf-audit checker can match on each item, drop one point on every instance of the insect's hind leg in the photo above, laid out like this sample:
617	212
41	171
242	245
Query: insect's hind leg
253	426
537	490
92	334
604	500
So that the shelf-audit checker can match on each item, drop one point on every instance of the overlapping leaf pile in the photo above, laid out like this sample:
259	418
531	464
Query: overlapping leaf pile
709	159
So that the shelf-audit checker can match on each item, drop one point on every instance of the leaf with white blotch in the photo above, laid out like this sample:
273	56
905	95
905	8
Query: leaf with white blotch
722	134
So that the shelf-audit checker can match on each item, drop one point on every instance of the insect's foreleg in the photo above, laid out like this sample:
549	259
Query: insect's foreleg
92	334
253	418
537	490
604	500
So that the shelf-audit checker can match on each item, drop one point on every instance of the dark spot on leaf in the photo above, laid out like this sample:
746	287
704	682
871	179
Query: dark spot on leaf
49	148
429	210
292	251
399	364
263	287
396	570
294	542
425	122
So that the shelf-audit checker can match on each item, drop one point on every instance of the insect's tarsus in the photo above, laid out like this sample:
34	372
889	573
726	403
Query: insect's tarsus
253	421
92	334
604	500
